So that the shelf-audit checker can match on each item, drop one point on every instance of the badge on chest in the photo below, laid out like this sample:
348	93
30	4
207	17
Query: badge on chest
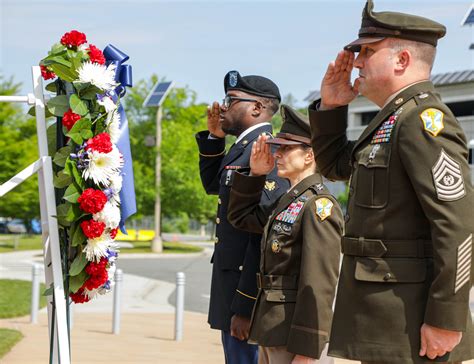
291	213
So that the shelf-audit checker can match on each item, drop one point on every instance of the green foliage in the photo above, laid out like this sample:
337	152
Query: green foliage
181	189
8	339
17	150
15	299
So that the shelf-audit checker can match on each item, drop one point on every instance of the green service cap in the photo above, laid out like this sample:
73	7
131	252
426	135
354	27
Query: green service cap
388	24
295	128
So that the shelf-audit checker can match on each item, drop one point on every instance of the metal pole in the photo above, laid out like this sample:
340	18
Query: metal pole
71	313
157	243
178	323
35	292
117	295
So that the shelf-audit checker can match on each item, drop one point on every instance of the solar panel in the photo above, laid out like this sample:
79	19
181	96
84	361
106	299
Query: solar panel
469	17
158	94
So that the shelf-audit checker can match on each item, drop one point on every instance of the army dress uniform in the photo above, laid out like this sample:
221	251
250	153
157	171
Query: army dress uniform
300	254
236	252
408	234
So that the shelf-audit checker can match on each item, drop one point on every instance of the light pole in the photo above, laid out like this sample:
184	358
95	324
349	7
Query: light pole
155	99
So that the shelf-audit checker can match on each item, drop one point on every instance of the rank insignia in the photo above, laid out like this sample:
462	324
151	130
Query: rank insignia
432	121
447	177
463	269
270	185
324	208
276	247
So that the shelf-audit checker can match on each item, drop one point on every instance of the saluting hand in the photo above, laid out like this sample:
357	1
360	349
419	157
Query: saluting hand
336	87
437	342
261	158
213	124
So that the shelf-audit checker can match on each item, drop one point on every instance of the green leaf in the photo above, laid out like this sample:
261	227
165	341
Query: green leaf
76	282
49	291
64	73
54	59
58	105
51	87
62	155
77	105
78	264
77	176
72	193
75	132
61	180
78	236
57	48
64	211
86	134
79	86
90	92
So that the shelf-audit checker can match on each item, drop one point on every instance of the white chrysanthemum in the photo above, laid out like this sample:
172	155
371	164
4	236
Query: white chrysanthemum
109	215
97	248
91	294
107	103
98	75
116	182
103	166
113	126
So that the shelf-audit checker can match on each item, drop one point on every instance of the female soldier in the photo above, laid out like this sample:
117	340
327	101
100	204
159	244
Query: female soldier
300	248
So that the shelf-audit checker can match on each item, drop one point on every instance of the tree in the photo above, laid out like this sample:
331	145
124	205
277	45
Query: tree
181	190
18	149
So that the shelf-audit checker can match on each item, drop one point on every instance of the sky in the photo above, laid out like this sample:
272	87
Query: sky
195	43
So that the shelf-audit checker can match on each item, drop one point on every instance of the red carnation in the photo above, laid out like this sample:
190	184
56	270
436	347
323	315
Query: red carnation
92	229
69	119
73	39
92	201
96	55
100	143
79	296
98	275
113	233
47	73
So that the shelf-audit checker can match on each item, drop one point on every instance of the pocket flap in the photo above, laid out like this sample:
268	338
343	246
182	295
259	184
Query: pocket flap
375	156
280	295
390	270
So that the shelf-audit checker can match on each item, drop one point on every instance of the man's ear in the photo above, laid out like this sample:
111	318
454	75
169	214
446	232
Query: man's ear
403	60
258	109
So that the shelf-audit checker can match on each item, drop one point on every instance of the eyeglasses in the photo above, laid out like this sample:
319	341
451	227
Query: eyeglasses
228	100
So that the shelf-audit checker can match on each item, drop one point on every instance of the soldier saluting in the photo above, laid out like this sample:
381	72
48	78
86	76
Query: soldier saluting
403	293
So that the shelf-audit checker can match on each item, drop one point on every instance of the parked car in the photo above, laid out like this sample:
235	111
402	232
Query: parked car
16	226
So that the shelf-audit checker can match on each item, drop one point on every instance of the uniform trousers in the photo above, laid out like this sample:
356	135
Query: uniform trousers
426	362
237	351
279	355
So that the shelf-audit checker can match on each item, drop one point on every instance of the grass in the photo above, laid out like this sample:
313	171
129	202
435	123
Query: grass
8	338
33	242
15	298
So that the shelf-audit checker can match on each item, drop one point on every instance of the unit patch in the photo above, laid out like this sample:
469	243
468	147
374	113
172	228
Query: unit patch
270	185
324	208
463	269
447	177
233	78
291	213
432	121
384	132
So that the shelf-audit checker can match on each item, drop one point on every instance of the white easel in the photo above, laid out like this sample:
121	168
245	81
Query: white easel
52	256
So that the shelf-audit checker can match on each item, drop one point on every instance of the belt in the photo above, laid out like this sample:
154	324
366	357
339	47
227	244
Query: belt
363	247
276	282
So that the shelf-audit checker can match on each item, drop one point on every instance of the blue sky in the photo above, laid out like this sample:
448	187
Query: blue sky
195	43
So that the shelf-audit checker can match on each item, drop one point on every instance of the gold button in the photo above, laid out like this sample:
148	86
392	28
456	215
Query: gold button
219	201
282	297
387	277
216	239
218	221
241	267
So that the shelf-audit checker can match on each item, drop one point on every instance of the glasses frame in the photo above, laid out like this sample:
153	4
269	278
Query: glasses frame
228	100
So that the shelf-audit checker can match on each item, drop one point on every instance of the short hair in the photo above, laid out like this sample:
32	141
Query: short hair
422	52
273	105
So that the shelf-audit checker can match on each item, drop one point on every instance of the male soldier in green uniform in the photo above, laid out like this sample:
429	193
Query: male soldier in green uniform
403	293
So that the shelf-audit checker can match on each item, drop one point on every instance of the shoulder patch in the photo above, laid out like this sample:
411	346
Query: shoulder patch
432	121
270	185
323	208
447	177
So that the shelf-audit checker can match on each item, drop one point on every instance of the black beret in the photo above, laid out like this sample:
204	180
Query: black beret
255	85
295	128
388	24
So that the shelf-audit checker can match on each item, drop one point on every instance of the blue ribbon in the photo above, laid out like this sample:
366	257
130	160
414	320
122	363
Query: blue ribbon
123	75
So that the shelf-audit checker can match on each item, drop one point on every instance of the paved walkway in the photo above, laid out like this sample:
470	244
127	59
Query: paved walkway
146	331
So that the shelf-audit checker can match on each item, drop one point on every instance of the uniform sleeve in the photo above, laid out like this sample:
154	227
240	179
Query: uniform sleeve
332	150
434	153
319	271
211	154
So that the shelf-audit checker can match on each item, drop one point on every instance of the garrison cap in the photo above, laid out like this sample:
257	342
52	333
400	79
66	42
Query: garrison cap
388	24
255	85
295	129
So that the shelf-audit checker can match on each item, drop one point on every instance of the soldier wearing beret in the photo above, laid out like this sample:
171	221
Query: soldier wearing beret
300	248
246	112
403	293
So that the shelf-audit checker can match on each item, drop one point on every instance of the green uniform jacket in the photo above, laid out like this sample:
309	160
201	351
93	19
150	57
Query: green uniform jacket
408	234
300	253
